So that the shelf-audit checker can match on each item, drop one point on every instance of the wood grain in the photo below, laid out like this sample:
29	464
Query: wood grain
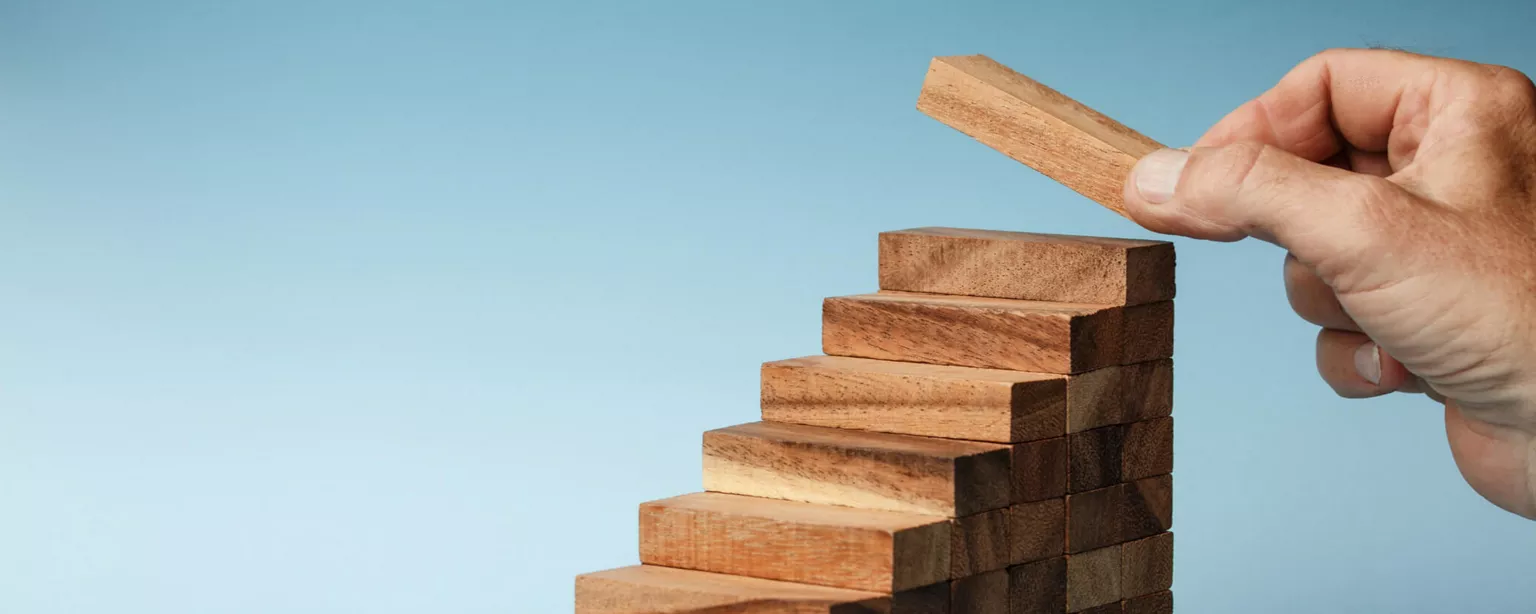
807	543
1096	398
1027	266
1093	578
1147	449
1156	603
1034	124
978	543
1037	530
882	471
1095	458
973	332
1040	470
1148	333
915	399
1146	565
1146	507
654	590
1095	518
1039	587
980	594
1147	390
1117	607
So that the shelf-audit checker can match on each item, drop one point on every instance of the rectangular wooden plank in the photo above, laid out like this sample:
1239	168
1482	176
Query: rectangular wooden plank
1093	578
1156	603
807	543
1147	389
1027	266
1037	530
1040	470
901	473
1096	398
1034	124
973	332
1146	565
1095	458
1095	518
1039	587
978	544
1148	333
1117	607
980	594
649	589
1146	507
915	399
1147	449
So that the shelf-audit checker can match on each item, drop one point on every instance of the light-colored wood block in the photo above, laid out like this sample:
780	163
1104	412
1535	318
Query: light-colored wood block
808	543
1039	587
1146	565
901	473
1040	470
973	332
1037	530
1095	519
1146	507
1148	333
1027	266
1156	603
979	544
1147	449
1034	124
1093	578
980	594
1147	390
661	590
915	399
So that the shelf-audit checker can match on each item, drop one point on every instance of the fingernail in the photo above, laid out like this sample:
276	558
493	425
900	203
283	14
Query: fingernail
1158	174
1368	362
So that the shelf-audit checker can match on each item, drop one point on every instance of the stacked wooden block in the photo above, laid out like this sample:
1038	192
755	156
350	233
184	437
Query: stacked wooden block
990	433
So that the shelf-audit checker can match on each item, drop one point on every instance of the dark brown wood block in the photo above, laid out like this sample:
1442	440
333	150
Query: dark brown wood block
1146	565
1039	587
1096	398
880	471
1146	507
1027	266
646	589
1147	390
1148	332
1095	458
1093	578
979	543
1148	449
1108	608
1095	518
1040	470
915	399
1037	530
1156	603
980	594
973	332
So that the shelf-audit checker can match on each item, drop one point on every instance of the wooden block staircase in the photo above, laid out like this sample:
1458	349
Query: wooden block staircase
989	433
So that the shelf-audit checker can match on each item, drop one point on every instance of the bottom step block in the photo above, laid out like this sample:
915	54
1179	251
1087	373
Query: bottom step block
645	589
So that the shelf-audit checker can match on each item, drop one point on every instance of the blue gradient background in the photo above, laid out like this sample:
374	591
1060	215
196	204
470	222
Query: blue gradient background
403	307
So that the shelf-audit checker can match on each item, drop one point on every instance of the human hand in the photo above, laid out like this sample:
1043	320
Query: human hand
1404	188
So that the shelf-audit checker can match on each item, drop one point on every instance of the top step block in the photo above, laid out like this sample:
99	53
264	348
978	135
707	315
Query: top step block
1027	266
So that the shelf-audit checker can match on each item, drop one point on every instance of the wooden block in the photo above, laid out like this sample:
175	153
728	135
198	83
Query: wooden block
1146	507
899	473
1148	333
1148	449
915	399
1095	458
1146	565
1038	588
1095	518
978	544
973	332
652	590
1034	124
1147	388
1108	608
1037	530
1027	266
1040	470
980	594
1156	603
1093	578
829	545
1096	398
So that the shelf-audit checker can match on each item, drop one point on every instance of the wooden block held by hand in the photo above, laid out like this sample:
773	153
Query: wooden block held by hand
1027	266
973	332
1034	124
1146	565
646	589
828	545
900	473
915	399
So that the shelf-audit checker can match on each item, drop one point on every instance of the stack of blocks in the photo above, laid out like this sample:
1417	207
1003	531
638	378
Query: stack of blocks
990	433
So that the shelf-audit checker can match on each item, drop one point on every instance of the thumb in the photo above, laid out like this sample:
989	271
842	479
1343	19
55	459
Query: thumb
1320	213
